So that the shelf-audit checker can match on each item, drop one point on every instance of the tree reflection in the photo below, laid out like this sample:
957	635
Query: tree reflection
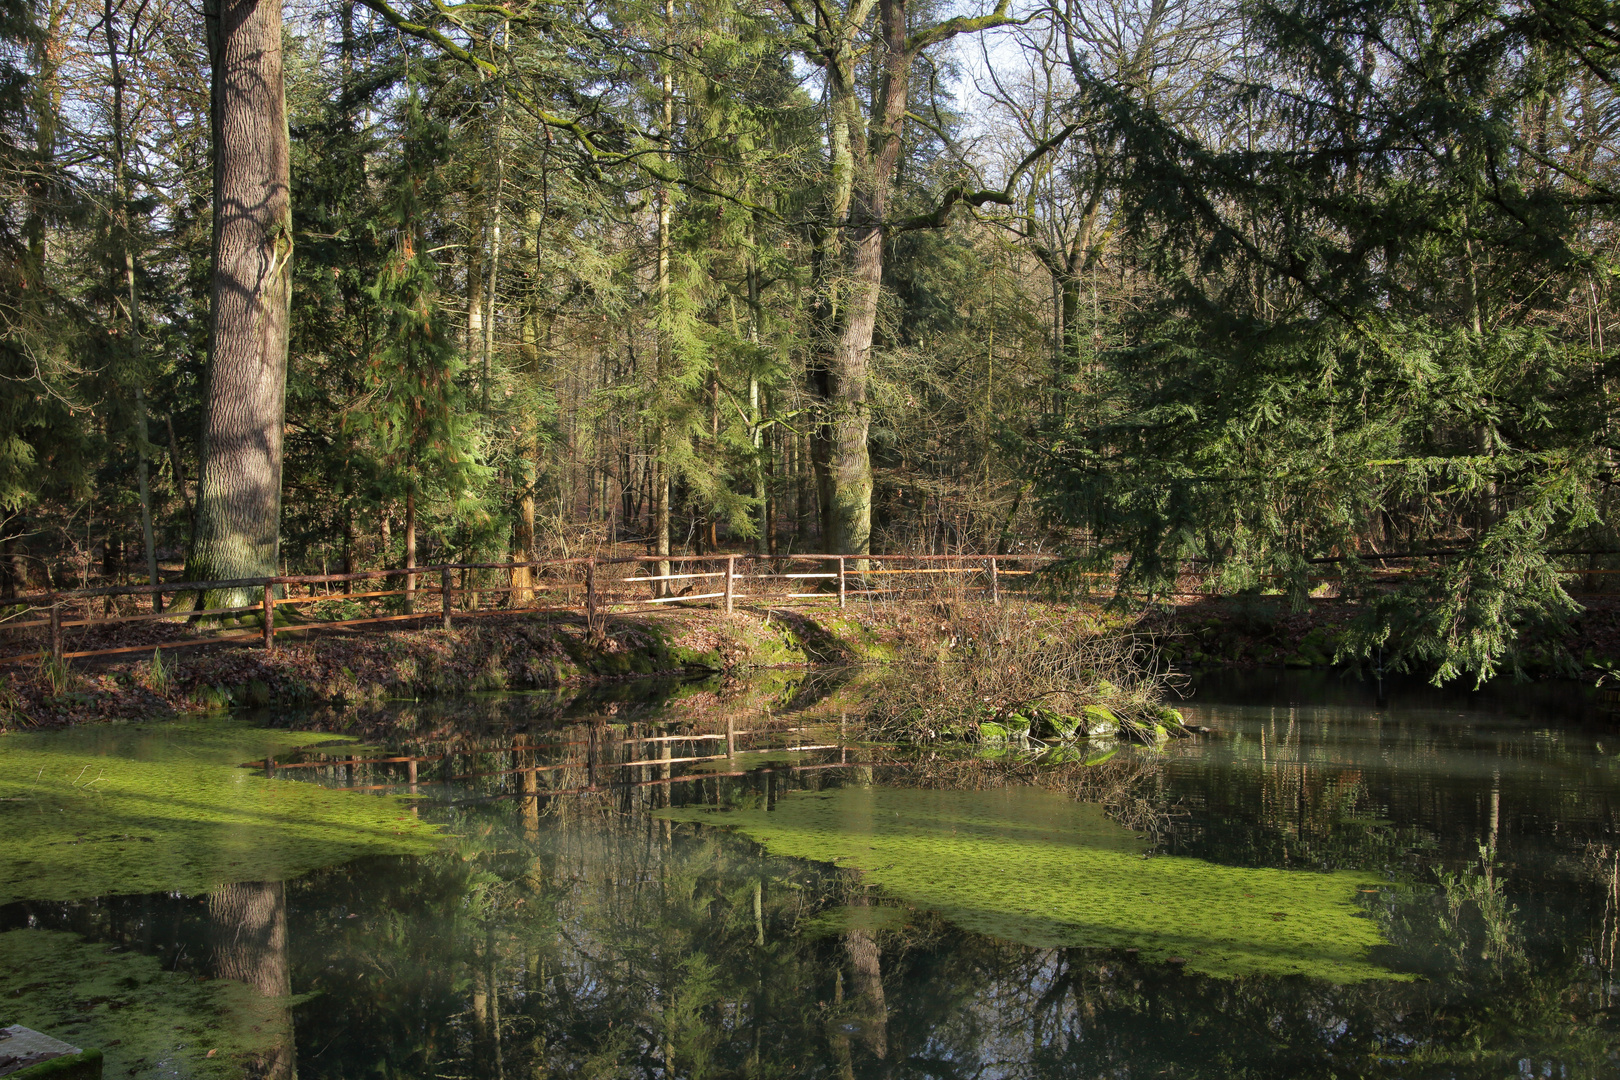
249	939
578	935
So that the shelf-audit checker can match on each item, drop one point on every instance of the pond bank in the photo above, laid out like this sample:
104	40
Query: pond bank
497	652
530	652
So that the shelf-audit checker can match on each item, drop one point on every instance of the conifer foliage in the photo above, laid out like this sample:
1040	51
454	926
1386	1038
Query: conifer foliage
1363	346
419	418
1295	289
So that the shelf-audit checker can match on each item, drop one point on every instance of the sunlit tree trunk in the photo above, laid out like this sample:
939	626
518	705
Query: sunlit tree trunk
410	547
237	532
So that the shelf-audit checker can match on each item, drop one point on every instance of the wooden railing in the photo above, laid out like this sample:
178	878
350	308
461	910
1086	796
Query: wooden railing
594	586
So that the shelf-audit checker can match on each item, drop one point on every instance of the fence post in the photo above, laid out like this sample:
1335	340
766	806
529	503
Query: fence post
590	592
840	581
269	617
995	582
445	592
590	758
731	737
731	574
56	631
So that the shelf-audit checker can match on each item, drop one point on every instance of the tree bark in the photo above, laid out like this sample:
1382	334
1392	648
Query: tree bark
410	548
860	206
665	358
237	532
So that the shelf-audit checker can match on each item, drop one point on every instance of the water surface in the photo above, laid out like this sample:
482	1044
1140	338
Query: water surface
1333	883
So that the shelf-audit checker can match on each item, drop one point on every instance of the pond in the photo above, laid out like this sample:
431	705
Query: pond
1334	880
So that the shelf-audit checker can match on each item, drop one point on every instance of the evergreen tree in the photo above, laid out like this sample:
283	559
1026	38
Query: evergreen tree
419	416
1359	349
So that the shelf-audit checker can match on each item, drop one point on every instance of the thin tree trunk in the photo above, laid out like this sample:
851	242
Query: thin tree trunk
177	466
348	541
144	478
121	218
237	533
497	161
665	361
410	548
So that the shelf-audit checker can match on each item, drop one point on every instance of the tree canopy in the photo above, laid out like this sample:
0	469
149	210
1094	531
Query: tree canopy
1277	289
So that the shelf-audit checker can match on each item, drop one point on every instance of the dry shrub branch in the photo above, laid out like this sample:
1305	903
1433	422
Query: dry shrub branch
1018	673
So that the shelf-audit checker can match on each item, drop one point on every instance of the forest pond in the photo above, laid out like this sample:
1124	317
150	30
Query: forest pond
1329	882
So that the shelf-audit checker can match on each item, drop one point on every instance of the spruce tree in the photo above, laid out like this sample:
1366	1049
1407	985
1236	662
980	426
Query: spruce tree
420	417
1360	351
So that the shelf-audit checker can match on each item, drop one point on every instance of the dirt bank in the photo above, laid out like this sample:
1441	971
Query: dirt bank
528	652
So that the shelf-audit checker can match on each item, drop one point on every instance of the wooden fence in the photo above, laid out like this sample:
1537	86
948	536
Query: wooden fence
592	586
37	626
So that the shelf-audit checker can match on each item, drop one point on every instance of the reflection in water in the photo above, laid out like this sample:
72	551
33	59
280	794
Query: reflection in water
249	930
582	935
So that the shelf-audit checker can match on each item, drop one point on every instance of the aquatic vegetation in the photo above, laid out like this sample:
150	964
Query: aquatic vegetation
1033	867
148	1022
833	921
165	807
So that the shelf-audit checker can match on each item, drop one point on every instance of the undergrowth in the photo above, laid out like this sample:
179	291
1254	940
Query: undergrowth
1014	676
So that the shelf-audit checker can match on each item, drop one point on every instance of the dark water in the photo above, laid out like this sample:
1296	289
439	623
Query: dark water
582	935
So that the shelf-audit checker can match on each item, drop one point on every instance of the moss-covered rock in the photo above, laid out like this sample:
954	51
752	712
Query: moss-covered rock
147	1022
1099	720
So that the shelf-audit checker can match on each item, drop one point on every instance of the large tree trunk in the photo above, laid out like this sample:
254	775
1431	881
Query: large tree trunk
849	463
238	532
860	207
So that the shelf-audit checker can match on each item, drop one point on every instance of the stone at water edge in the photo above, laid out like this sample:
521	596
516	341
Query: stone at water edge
26	1054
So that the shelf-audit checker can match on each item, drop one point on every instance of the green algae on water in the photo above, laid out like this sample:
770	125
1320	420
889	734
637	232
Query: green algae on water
1034	867
145	1020
121	809
841	919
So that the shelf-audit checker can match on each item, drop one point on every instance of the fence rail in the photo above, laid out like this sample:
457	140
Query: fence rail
595	586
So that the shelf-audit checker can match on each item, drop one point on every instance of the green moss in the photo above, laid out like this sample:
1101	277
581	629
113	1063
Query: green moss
1034	867
707	660
85	1065
1099	720
833	921
146	1021
165	807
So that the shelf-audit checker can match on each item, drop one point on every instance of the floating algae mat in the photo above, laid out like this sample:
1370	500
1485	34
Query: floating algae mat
145	1020
1034	867
744	760
166	808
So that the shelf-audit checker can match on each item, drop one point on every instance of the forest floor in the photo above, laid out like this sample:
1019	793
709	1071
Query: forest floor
538	651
